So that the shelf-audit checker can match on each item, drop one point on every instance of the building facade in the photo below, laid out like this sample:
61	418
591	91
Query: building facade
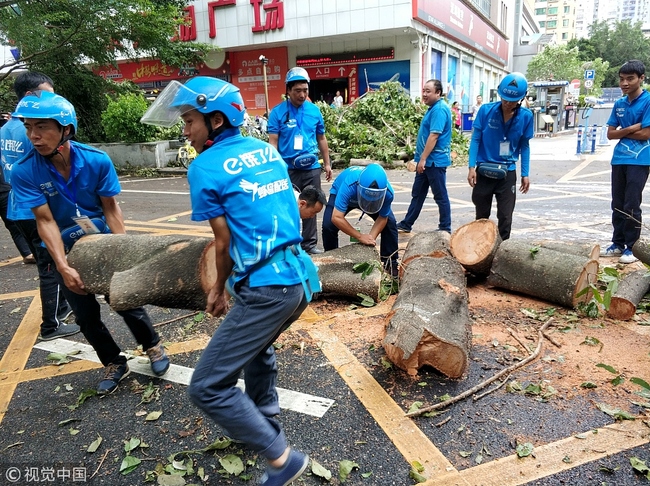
557	17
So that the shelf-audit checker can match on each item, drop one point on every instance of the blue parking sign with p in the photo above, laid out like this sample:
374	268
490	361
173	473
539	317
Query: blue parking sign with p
590	74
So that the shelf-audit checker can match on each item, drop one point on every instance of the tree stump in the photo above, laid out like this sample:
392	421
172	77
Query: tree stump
641	250
432	244
539	272
475	244
168	271
429	323
590	251
335	269
628	295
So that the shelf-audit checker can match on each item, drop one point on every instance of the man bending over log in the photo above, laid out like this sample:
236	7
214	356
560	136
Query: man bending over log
71	188
366	189
241	186
501	133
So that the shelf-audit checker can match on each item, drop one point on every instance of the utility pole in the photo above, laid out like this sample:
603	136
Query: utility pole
265	61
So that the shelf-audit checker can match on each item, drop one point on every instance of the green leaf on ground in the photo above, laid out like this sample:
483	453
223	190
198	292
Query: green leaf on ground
64	422
73	431
525	449
591	341
607	367
95	444
640	382
320	471
153	416
588	384
366	300
233	464
345	468
131	444
58	358
640	466
415	406
83	396
129	463
617	413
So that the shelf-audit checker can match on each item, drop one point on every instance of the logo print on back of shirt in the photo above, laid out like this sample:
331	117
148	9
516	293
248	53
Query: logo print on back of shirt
249	187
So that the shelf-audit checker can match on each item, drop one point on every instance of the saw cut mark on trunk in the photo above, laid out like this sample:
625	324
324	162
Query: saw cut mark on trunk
483	384
641	250
429	323
475	244
335	270
173	271
539	272
628	295
433	244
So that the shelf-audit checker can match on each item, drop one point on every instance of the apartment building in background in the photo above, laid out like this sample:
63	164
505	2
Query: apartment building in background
557	18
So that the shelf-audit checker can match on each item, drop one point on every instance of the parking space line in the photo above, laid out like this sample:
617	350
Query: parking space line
19	295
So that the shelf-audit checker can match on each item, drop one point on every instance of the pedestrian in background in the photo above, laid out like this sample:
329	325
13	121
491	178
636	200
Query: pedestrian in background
629	123
252	210
297	130
501	134
457	117
433	156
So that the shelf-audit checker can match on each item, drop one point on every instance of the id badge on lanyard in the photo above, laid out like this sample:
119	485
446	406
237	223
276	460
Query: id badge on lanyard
504	149
87	226
297	142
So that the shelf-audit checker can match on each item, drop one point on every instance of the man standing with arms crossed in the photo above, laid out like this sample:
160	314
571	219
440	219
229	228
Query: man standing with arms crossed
242	187
297	130
629	123
432	154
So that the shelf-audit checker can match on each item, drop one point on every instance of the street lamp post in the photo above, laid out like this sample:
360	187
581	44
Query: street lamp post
265	61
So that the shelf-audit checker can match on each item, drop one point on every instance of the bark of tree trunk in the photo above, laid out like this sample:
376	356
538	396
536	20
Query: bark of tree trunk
587	250
432	244
335	269
548	274
168	271
628	295
641	250
475	244
429	323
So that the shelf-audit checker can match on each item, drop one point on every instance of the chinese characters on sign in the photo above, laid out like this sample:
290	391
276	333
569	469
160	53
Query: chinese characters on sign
268	16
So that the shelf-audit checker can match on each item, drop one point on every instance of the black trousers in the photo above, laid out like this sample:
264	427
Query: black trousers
505	191
301	179
628	182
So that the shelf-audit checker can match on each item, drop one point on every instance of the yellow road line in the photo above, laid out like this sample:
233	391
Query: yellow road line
552	458
11	261
166	218
19	295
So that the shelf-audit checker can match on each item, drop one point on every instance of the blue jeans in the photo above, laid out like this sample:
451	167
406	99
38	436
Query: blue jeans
244	341
436	179
628	182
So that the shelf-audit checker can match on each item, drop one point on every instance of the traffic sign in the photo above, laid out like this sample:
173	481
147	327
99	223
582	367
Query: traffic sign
589	83
590	74
575	84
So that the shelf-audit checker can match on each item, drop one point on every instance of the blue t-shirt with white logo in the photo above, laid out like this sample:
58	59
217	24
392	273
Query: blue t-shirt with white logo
345	189
624	114
246	181
14	146
35	182
287	122
436	120
489	131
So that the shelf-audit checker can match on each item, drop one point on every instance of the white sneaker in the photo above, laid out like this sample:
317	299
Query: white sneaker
610	251
627	257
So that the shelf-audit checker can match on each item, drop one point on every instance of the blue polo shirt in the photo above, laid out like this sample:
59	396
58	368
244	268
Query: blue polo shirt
35	182
345	189
14	145
436	120
287	121
624	114
489	130
246	181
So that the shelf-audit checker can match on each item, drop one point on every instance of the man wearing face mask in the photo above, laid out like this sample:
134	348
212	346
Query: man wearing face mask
501	134
297	130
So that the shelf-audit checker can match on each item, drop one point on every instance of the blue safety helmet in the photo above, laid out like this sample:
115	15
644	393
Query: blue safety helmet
47	106
296	74
371	189
203	94
513	87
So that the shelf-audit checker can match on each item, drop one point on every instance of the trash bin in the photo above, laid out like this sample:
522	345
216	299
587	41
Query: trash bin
466	122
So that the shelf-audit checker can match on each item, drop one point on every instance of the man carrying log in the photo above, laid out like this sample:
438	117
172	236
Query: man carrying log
629	123
71	188
432	155
501	134
242	187
367	189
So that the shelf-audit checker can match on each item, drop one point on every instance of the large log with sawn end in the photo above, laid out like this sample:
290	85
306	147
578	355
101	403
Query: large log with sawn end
433	244
628	295
168	271
587	250
429	323
475	244
539	272
335	270
641	250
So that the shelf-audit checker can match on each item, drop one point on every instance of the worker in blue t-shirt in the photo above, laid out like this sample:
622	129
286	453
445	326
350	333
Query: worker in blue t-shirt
501	134
242	187
71	188
432	154
297	130
629	123
367	189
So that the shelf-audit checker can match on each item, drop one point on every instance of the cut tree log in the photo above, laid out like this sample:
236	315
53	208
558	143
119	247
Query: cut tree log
587	250
432	244
475	244
628	295
429	323
335	269
539	272
641	250
168	271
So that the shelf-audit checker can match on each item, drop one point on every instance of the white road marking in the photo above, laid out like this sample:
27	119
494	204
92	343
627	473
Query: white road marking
289	400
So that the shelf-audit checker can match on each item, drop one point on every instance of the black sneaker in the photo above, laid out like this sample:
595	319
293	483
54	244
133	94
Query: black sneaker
158	358
112	377
290	471
402	228
62	331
